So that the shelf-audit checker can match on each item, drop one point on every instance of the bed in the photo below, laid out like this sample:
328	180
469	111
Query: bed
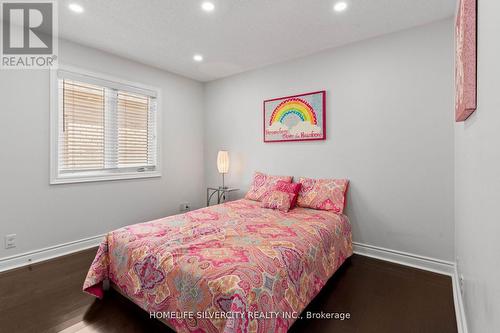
234	267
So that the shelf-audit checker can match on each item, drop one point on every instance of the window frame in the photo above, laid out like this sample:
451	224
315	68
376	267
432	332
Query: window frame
64	177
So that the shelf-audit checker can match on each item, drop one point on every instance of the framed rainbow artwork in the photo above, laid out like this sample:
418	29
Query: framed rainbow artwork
295	118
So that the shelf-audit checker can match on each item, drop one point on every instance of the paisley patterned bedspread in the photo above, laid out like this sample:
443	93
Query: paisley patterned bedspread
234	267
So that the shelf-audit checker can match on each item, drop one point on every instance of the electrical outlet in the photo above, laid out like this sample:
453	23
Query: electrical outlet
184	207
10	241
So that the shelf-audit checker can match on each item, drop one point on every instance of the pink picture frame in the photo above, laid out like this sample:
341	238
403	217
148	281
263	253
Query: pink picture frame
465	59
295	118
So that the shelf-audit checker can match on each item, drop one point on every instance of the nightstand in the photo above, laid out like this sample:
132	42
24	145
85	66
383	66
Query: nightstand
220	192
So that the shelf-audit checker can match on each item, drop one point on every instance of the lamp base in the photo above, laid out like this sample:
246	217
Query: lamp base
223	187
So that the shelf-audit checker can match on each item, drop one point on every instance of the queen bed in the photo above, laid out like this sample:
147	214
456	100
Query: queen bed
234	267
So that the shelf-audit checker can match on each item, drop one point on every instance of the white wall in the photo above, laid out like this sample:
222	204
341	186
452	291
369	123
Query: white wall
44	215
389	125
477	183
389	131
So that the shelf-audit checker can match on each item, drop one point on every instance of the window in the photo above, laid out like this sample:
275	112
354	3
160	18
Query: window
102	128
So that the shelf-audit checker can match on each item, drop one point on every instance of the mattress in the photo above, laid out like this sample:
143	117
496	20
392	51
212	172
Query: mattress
225	268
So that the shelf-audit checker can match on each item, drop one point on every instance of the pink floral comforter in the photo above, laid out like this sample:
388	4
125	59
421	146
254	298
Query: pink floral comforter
225	268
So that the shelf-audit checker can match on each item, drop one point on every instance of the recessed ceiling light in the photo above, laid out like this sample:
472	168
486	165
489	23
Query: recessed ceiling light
198	57
207	6
76	8
340	6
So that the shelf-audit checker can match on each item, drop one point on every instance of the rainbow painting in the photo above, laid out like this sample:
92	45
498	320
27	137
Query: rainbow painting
295	118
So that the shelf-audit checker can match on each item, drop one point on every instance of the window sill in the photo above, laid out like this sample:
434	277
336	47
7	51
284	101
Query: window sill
89	177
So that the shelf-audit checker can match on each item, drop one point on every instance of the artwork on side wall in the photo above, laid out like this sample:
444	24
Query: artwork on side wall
465	59
295	118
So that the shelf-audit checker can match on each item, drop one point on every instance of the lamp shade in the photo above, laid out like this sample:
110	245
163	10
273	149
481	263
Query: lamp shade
223	161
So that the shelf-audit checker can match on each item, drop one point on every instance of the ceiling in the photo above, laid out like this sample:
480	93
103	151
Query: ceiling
239	35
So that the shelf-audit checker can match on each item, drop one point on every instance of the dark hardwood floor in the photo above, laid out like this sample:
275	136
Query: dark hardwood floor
379	296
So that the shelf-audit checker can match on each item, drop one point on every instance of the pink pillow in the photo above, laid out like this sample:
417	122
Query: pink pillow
323	194
293	188
262	184
278	200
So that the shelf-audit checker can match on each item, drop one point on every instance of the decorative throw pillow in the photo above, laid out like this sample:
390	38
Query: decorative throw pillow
323	194
278	200
293	188
262	184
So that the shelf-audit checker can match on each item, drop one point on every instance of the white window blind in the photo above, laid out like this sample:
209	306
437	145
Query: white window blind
106	129
82	135
135	146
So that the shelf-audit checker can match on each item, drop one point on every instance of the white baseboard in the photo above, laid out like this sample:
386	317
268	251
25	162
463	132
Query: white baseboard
421	262
459	303
28	258
404	258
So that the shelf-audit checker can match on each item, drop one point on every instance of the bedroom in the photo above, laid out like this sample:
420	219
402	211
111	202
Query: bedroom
133	112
